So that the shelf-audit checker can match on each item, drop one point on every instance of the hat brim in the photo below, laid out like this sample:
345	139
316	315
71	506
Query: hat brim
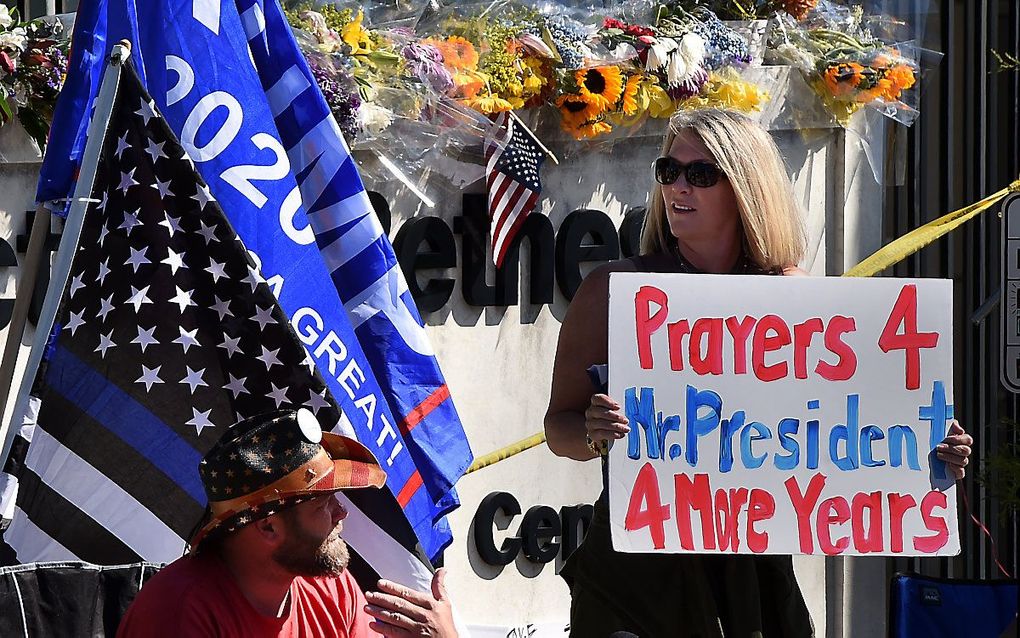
354	467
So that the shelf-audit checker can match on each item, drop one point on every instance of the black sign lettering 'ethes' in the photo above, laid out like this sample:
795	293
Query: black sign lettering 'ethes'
166	336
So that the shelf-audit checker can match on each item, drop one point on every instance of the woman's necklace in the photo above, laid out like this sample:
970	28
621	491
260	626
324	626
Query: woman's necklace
743	266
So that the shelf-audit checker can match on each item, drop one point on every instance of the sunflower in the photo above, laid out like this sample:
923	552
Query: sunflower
630	95
592	128
576	109
458	53
842	79
489	104
602	84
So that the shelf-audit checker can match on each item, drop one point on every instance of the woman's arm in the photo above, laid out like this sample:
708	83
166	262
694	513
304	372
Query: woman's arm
574	409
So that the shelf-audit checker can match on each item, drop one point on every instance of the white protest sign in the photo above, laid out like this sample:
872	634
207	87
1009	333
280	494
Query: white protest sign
781	415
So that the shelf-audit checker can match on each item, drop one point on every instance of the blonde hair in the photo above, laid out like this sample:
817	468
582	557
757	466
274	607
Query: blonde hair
750	159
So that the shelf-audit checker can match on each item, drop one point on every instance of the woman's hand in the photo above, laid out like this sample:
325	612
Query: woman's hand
604	420
955	450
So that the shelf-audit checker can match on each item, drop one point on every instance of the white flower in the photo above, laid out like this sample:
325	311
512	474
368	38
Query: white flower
374	119
677	69
14	40
5	16
658	53
692	48
623	52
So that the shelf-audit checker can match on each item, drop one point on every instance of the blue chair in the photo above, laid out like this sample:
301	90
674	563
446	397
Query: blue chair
925	607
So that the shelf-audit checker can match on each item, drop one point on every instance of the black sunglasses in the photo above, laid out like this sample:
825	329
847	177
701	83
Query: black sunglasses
699	173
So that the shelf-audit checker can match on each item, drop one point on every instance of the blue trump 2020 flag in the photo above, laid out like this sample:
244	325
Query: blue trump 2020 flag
232	83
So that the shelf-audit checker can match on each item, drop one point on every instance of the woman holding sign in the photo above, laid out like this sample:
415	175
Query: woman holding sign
721	203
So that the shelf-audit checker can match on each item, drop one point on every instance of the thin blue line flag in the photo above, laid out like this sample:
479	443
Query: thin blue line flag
232	84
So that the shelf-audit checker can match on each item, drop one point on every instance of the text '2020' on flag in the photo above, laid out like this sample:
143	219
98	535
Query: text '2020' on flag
232	83
164	336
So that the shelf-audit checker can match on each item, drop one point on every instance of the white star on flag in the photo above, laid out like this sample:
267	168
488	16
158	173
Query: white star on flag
75	321
155	150
105	343
127	180
316	401
202	196
194	378
222	307
173	259
150	377
200	420
172	224
104	270
146	110
145	337
279	395
76	284
230	344
139	297
122	145
208	233
236	386
263	316
106	306
163	188
253	278
130	221
138	258
187	338
183	298
269	358
217	270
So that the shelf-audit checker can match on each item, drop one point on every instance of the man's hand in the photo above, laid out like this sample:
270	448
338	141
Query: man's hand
401	611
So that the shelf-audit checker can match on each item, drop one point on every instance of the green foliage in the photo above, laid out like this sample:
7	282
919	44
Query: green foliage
1001	474
1006	61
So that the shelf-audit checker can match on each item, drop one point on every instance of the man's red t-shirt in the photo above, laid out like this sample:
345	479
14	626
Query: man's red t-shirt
197	596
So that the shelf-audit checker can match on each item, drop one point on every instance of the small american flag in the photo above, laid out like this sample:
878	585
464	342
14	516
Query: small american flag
513	158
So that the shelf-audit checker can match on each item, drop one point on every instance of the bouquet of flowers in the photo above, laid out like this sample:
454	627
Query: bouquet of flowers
33	61
846	65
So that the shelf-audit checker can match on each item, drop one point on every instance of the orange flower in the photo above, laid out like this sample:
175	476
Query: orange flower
458	53
902	77
630	105
468	83
601	84
842	79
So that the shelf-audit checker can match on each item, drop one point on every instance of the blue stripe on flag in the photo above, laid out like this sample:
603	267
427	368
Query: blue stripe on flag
114	409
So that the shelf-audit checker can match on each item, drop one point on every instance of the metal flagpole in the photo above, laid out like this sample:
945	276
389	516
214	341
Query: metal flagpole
65	253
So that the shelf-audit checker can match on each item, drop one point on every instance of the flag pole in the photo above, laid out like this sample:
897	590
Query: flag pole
65	253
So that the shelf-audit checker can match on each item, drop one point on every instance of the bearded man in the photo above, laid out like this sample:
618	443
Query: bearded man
267	558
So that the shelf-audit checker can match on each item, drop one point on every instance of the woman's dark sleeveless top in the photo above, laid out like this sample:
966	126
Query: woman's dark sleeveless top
680	595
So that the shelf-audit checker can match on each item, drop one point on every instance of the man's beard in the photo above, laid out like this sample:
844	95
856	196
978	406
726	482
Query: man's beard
304	555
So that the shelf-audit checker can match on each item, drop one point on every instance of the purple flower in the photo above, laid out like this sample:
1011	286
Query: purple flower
426	62
341	96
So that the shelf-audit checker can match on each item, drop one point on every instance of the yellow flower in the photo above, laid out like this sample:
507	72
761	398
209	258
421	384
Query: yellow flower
659	103
532	83
728	90
468	83
602	84
630	95
576	109
592	128
489	104
357	36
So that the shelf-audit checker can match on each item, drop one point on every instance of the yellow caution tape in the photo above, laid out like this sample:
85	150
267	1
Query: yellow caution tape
507	452
892	253
905	246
